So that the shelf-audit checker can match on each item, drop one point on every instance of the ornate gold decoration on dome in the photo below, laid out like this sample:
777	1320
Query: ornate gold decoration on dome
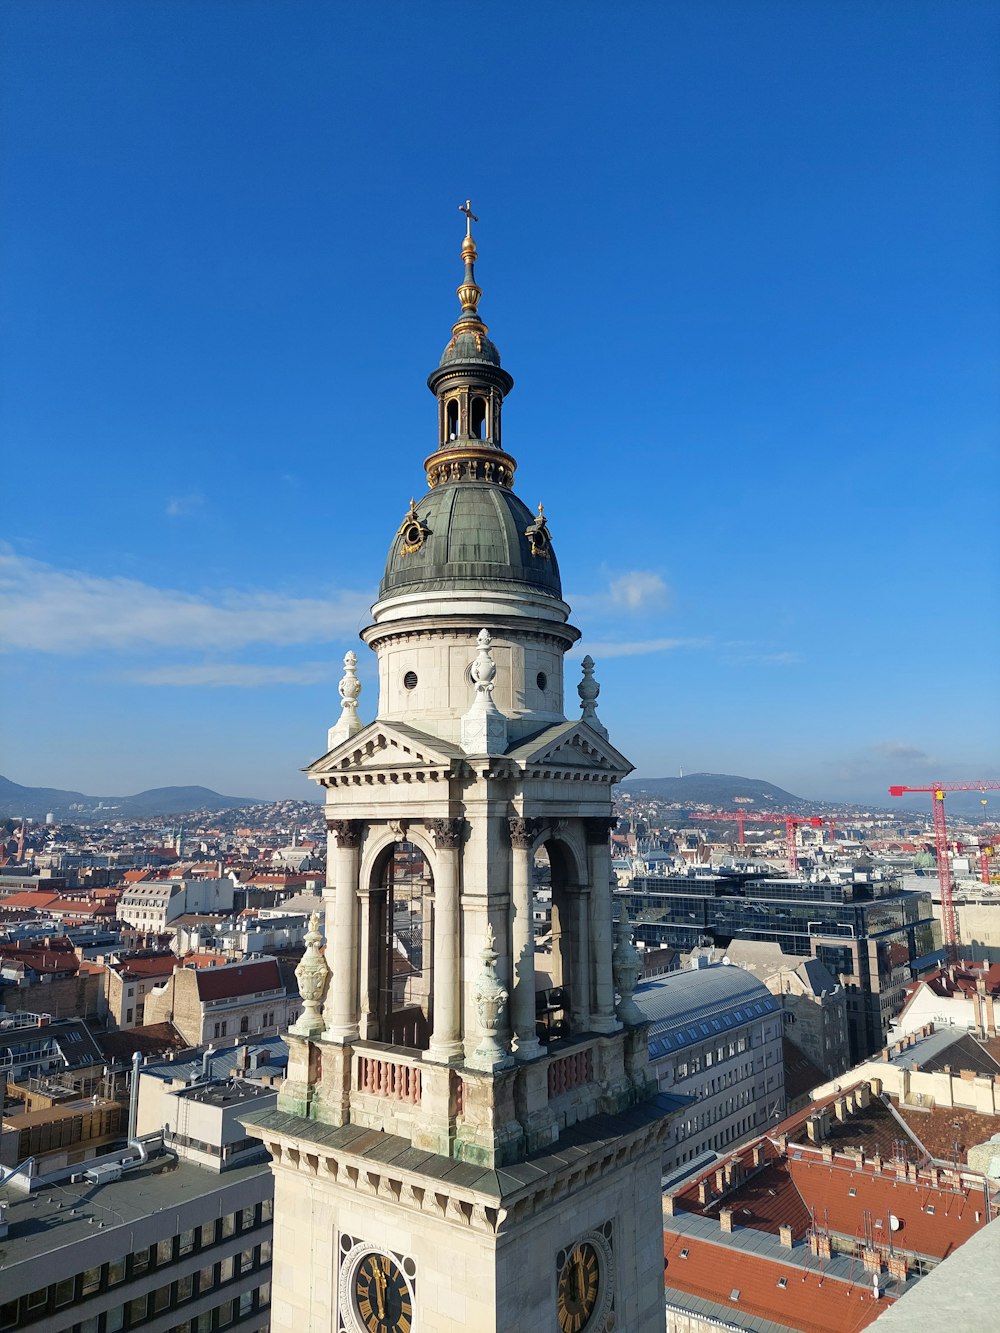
538	535
469	461
413	531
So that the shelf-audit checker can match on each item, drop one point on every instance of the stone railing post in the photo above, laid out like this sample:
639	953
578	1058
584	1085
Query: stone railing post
446	1038
341	1010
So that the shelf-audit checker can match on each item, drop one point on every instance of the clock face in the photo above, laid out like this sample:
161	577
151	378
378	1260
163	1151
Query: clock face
381	1295
578	1287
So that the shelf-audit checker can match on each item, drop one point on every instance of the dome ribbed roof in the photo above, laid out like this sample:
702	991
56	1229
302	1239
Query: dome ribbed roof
475	539
470	348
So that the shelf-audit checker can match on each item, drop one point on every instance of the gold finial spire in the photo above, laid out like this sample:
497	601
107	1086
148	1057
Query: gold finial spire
469	293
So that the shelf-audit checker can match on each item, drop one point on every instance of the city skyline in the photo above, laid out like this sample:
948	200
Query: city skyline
741	262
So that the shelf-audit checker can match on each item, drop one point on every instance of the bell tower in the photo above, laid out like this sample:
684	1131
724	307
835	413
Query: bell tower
468	1137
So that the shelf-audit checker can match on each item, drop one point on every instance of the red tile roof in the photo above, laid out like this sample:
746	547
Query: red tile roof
811	1301
36	898
223	983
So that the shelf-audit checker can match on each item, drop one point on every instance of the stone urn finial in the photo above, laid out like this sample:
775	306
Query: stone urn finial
626	968
484	727
350	691
490	996
588	690
312	974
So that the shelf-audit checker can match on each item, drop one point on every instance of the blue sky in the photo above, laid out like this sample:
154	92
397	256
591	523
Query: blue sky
741	259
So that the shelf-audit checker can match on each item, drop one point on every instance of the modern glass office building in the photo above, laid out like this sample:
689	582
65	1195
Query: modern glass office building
871	934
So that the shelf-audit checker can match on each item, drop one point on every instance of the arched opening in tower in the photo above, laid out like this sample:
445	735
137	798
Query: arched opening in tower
451	417
477	419
559	976
400	953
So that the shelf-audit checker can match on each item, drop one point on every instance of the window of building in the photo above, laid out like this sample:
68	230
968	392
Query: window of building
114	1319
229	1225
227	1267
137	1309
244	1024
227	1313
184	1288
248	1219
140	1262
165	1252
64	1292
246	1261
161	1299
116	1272
267	1210
8	1314
187	1241
206	1279
204	1323
207	1234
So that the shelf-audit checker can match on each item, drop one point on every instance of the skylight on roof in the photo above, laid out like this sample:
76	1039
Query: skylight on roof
782	1282
684	1254
734	1295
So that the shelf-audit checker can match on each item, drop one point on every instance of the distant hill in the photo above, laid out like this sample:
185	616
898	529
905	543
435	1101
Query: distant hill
36	802
722	790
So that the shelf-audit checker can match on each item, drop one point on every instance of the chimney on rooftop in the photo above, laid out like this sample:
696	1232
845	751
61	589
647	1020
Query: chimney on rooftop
785	1236
726	1219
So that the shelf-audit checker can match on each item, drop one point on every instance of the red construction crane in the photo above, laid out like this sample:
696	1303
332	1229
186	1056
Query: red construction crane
937	791
791	823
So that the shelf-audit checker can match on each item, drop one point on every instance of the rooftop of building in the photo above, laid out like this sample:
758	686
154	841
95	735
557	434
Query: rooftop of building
53	1217
270	1053
235	1092
769	1292
801	1075
150	1039
698	1003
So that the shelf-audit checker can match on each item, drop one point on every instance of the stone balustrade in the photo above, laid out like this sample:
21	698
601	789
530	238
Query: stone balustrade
571	1071
395	1077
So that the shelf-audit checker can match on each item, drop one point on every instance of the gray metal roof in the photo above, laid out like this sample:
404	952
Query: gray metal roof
188	1065
698	1004
476	537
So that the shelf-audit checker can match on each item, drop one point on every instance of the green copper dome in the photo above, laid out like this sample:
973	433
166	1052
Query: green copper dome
471	535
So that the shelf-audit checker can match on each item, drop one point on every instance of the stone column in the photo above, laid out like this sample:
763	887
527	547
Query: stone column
341	1009
446	1038
580	975
522	838
602	942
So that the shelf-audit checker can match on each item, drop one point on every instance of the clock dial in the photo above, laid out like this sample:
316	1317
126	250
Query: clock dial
578	1287
381	1295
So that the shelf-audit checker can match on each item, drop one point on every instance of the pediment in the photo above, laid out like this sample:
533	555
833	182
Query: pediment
572	745
385	745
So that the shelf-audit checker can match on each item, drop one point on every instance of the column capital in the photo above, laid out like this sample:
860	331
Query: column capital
447	833
346	831
523	832
598	830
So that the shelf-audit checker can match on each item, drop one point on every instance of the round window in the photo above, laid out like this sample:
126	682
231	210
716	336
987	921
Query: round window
410	680
541	680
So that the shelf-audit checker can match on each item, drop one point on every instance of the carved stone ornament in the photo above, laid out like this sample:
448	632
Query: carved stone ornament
588	690
522	833
484	727
626	967
447	833
400	828
346	831
350	691
490	997
312	974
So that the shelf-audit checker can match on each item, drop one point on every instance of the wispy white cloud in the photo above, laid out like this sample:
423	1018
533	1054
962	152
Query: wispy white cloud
900	750
637	590
636	647
183	506
68	611
229	674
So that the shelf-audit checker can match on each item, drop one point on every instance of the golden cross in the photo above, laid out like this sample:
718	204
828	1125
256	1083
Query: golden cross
470	217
